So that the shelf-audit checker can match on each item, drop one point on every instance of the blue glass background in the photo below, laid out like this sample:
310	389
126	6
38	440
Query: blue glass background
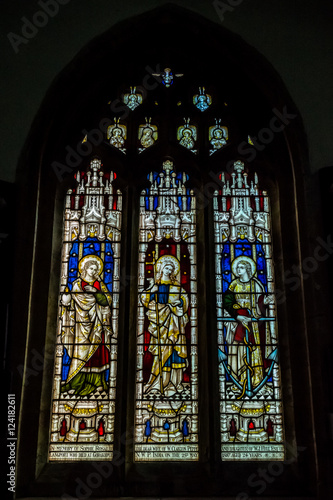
179	178
91	246
242	248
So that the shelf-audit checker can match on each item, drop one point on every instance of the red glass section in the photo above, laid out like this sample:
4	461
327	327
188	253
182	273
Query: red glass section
228	203
63	428
233	428
101	356
270	431
100	429
115	199
148	359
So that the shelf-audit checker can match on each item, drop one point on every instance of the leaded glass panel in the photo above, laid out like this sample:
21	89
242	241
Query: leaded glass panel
249	377
84	387
166	415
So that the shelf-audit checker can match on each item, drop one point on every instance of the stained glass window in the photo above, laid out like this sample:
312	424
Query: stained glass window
166	392
202	100
116	135
218	136
249	376
166	415
133	99
187	135
167	77
147	135
84	387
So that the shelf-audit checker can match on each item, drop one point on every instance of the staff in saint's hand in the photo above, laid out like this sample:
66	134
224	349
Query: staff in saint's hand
158	327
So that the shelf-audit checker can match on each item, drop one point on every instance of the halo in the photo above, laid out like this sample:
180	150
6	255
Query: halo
98	261
168	259
246	259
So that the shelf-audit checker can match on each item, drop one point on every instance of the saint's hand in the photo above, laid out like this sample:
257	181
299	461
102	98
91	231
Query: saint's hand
244	320
176	303
269	299
152	287
89	288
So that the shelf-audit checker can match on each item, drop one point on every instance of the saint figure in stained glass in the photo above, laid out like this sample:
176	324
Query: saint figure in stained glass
167	304
148	134
167	364
187	135
187	140
116	135
249	379
147	137
84	386
218	136
167	76
218	140
133	99
248	337
202	100
87	344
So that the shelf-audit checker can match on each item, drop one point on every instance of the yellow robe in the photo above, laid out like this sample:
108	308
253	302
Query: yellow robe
247	295
88	320
166	322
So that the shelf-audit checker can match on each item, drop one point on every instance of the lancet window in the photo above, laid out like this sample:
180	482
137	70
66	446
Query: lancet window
166	414
249	376
84	388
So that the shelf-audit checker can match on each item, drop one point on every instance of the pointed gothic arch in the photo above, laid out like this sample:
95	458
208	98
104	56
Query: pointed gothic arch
256	104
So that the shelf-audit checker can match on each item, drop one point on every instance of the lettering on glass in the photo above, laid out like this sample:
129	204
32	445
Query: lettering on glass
84	387
166	415
249	378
